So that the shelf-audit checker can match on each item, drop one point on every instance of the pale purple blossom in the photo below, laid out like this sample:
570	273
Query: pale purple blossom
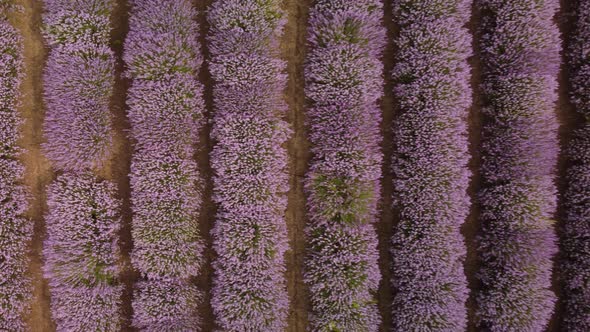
520	47
79	79
15	229
249	161
429	165
82	254
344	81
166	112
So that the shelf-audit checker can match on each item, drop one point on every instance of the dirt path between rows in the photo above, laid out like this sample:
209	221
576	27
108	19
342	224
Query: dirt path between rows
118	168
293	51
38	170
208	207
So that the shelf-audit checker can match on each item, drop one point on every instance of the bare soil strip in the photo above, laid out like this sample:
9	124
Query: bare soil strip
293	49
208	208
117	170
38	170
389	216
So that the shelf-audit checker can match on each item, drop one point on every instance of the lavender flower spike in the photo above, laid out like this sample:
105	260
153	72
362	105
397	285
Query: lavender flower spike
82	260
82	254
344	83
15	229
430	164
249	162
79	80
166	113
576	232
520	53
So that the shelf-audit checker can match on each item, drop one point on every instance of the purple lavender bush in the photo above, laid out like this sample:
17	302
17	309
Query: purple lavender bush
82	254
430	170
79	79
249	161
576	230
15	229
343	85
165	112
520	53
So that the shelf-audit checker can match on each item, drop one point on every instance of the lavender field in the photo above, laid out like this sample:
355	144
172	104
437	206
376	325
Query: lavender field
295	165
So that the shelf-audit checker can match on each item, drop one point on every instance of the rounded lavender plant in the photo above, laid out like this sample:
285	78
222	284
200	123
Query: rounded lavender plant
15	229
520	53
166	112
79	79
81	253
430	170
249	162
343	84
576	230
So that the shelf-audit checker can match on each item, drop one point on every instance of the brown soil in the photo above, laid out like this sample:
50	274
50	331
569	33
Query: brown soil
293	49
118	168
208	208
389	216
569	120
471	226
38	171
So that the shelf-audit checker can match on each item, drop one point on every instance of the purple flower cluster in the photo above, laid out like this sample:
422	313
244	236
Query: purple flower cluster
343	84
576	232
165	111
79	81
430	170
249	162
81	253
15	229
520	52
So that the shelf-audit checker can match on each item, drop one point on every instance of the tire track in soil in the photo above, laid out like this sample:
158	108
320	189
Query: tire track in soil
208	208
293	48
38	172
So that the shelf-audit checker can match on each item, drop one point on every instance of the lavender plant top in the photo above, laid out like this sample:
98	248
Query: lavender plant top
165	112
15	229
520	49
249	162
79	81
576	232
343	84
430	164
81	253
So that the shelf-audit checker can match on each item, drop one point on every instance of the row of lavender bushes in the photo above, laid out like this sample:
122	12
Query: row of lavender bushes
430	170
82	259
344	81
249	163
166	112
15	229
576	231
520	47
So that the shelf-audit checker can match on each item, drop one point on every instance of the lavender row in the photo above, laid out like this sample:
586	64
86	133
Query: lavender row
343	84
520	53
81	251
165	112
249	163
430	170
79	79
15	229
576	232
